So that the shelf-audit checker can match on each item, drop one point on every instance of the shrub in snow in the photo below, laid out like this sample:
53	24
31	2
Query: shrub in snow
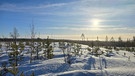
89	49
109	53
121	48
10	71
4	64
106	47
117	49
117	52
110	48
32	74
133	49
13	71
96	51
127	49
3	72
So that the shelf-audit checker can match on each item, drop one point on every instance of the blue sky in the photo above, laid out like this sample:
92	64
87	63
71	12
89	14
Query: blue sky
69	18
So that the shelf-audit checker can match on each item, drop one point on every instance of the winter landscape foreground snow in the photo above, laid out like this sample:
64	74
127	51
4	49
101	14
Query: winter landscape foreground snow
86	64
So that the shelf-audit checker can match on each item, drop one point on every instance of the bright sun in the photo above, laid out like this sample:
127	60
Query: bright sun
95	22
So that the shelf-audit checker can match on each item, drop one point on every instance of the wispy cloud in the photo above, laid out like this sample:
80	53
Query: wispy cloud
102	28
94	8
19	8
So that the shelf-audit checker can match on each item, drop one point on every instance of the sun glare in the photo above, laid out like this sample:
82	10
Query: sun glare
95	22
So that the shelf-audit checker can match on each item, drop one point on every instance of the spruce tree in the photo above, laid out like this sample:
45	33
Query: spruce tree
14	56
14	71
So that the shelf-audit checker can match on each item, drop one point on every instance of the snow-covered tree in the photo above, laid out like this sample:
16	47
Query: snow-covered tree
49	49
38	48
44	49
77	48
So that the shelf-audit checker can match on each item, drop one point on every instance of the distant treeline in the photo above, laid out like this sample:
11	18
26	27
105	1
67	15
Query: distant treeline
108	43
89	43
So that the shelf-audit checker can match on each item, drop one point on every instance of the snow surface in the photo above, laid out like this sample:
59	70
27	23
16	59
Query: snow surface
117	65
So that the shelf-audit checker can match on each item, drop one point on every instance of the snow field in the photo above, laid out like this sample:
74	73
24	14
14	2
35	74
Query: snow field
117	65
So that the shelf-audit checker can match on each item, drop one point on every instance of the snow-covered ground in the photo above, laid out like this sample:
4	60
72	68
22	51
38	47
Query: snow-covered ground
83	65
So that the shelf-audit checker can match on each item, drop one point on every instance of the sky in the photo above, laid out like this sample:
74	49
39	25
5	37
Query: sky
68	19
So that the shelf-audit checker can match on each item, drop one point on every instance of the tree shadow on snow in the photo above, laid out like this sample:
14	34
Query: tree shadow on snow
90	64
48	68
78	74
58	56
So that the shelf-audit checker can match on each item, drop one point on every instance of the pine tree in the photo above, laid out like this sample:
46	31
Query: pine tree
14	71
112	39
119	39
32	74
22	74
14	35
21	46
45	51
14	56
49	49
97	38
83	36
0	46
27	43
106	39
32	41
133	38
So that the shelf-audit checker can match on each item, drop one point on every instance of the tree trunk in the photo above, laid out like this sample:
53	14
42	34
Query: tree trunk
37	52
31	56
